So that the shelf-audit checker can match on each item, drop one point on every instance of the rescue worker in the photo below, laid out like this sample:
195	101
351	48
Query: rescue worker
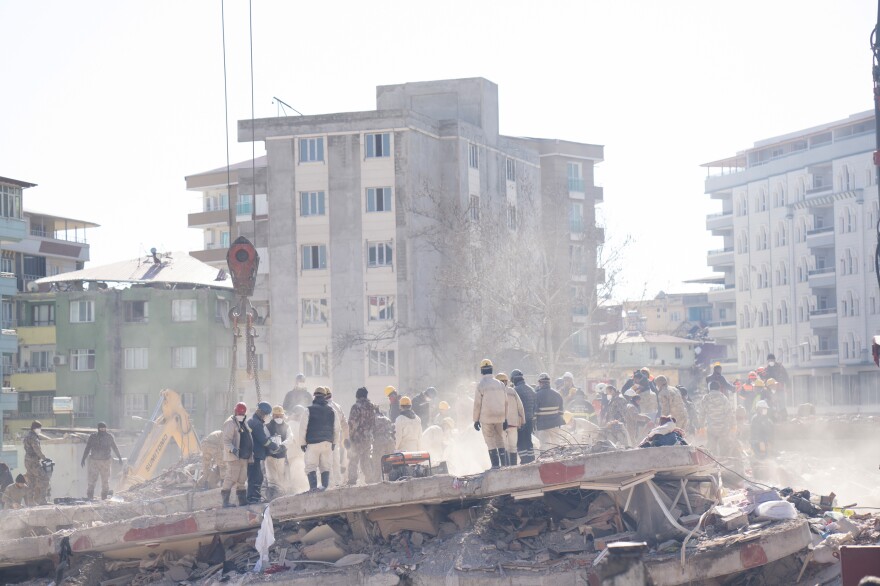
719	416
316	437
691	408
98	448
213	464
443	411
298	395
582	431
716	376
670	402
422	405
5	476
238	450
490	409
34	460
277	464
666	434
548	414
17	495
650	405
361	425
775	397
437	439
407	428
263	446
567	389
762	431
295	458
340	440
634	421
463	406
393	402
528	398
616	408
384	442
515	417
777	372
579	405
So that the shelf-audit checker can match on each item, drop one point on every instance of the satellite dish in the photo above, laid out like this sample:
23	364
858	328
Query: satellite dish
32	286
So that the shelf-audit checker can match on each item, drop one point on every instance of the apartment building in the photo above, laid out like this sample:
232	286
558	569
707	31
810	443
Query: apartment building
678	314
796	270
352	221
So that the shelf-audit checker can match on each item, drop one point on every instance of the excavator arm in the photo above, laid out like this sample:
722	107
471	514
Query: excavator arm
170	423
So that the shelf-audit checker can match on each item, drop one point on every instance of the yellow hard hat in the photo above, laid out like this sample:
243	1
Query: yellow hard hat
448	422
443	406
760	383
321	391
502	377
567	416
771	381
485	362
405	401
389	389
277	411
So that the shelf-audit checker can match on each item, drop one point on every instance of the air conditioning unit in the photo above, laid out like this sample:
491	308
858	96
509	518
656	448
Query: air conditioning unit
59	359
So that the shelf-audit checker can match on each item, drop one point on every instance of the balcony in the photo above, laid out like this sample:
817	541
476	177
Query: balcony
596	192
818	189
824	358
575	185
722	221
723	330
722	257
8	284
723	294
12	229
822	277
824	317
213	255
36	335
208	219
821	237
32	379
8	342
244	208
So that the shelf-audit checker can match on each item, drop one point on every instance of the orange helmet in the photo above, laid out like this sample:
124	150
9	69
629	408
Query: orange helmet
240	409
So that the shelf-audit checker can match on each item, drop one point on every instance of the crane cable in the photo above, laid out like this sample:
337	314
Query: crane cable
875	71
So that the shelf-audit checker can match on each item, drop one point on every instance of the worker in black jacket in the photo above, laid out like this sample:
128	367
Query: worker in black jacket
421	405
263	446
527	396
316	433
548	414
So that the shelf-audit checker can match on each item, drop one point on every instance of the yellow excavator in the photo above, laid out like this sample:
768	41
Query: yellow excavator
169	424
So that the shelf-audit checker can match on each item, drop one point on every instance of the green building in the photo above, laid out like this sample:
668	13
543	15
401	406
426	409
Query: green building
128	330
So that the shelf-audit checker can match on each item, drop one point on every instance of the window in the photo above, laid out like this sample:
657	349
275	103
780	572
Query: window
183	310
188	400
576	217
84	406
311	150
183	357
379	199
678	353
221	311
224	239
41	404
137	311
40	361
380	308
137	358
314	256
222	356
380	254
10	201
82	312
382	363
511	169
378	145
82	359
474	208
314	311
135	405
511	217
781	235
311	203
245	205
473	156
242	361
43	314
315	364
652	353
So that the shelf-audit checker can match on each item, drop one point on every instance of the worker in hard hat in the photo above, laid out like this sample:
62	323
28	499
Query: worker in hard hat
422	405
515	418
407	428
582	431
762	431
263	448
277	464
213	465
443	411
238	450
490	413
316	439
393	403
437	439
548	418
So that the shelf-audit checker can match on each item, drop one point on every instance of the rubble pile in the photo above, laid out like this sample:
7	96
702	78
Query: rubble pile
176	479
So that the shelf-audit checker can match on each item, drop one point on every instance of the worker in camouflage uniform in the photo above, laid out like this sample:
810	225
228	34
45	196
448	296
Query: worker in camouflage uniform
98	449
671	403
719	417
213	465
615	410
17	495
384	442
361	424
37	476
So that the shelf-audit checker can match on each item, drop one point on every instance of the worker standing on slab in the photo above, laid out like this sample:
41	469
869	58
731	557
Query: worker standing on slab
361	424
443	411
298	395
719	416
263	447
490	410
528	398
340	440
671	403
213	465
316	435
238	450
393	403
422	405
407	428
515	418
17	495
277	465
762	431
34	460
98	449
548	419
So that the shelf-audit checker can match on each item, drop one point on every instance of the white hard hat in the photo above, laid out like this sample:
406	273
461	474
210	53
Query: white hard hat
601	387
630	392
762	405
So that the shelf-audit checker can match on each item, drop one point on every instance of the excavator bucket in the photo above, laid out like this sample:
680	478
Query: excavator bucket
243	261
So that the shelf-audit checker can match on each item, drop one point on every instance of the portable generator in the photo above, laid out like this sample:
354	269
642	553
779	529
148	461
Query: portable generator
403	465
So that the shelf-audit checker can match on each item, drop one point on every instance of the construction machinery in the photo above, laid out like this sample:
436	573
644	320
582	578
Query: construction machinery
403	465
170	424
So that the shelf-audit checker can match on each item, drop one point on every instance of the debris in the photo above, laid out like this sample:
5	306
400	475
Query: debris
327	550
421	518
824	552
178	573
265	540
736	520
417	539
602	542
777	510
533	528
319	533
463	518
351	559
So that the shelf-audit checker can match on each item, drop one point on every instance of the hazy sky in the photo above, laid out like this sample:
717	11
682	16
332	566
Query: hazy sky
107	106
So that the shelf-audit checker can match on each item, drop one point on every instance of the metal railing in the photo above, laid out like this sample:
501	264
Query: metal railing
825	352
720	215
722	324
821	230
721	250
576	184
823	311
821	271
244	208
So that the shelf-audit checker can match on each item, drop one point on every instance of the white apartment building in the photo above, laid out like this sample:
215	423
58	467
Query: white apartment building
797	263
348	270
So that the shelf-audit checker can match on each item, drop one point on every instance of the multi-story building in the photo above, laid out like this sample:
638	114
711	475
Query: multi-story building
678	314
359	217
797	264
127	330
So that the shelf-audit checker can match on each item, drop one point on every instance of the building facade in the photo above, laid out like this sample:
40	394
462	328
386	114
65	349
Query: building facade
362	211
797	264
